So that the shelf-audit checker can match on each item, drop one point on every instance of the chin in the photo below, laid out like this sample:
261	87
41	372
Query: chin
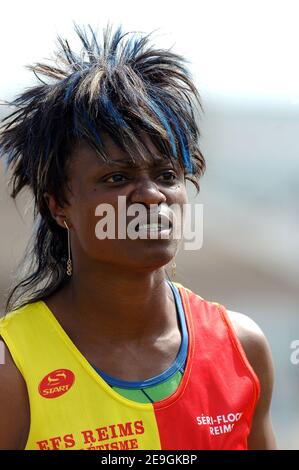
154	257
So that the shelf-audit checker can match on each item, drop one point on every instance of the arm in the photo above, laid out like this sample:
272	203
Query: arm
259	356
14	404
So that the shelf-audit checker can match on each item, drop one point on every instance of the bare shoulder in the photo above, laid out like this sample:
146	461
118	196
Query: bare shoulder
15	413
258	353
254	342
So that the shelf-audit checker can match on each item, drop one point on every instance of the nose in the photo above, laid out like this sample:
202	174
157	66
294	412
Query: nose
147	192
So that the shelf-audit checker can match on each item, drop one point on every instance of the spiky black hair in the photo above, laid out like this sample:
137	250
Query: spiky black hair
122	86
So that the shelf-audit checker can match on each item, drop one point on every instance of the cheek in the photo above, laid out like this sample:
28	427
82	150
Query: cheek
177	194
84	225
89	219
84	220
177	199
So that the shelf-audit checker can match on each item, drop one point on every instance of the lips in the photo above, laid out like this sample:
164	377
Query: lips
161	222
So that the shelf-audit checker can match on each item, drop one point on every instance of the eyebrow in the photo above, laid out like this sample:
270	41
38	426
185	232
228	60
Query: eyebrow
127	162
123	162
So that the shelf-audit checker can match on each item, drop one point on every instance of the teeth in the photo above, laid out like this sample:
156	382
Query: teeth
149	226
153	227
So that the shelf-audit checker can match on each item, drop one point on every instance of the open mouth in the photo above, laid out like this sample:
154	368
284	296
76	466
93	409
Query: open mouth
163	224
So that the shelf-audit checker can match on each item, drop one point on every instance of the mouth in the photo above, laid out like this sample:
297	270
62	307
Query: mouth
164	225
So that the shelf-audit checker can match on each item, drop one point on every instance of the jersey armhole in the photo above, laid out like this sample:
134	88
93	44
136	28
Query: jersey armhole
4	337
238	346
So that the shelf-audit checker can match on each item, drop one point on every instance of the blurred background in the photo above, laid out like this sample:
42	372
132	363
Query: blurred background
244	59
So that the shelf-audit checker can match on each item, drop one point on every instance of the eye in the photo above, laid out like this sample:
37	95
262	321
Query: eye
169	176
116	178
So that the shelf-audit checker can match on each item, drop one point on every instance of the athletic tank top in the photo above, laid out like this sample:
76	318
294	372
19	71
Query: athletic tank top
162	385
72	407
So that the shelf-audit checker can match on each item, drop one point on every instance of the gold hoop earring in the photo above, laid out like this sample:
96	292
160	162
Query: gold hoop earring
69	264
173	270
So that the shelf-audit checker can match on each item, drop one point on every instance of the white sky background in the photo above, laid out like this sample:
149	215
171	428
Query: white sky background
239	49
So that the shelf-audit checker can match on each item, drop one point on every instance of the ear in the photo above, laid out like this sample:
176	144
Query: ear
58	213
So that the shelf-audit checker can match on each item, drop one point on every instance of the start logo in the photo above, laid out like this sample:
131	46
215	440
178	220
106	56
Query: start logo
56	383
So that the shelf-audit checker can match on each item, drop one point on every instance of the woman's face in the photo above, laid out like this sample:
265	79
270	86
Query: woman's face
94	182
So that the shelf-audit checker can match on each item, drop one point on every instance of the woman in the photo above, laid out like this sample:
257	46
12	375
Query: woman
102	350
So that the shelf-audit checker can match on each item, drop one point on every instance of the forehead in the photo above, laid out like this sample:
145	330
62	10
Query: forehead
84	156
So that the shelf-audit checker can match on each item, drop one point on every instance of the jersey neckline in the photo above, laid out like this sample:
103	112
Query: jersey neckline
105	386
177	364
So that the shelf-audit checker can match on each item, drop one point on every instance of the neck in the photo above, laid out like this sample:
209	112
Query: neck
118	306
